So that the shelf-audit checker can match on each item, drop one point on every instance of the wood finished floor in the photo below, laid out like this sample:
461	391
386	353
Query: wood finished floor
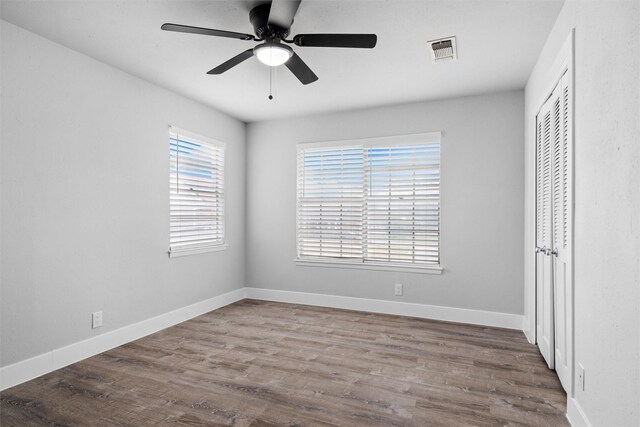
259	363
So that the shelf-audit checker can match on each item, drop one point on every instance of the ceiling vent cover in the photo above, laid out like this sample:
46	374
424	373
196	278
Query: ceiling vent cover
443	49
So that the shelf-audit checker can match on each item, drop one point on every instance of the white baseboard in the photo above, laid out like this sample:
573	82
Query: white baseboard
575	414
528	332
34	367
435	312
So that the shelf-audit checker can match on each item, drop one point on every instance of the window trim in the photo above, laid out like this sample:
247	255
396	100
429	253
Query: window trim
409	139
368	265
194	250
404	139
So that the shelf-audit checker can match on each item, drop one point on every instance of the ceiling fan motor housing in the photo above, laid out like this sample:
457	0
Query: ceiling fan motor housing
259	18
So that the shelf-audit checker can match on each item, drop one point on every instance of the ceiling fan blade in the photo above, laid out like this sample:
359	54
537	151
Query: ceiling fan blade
300	70
232	62
365	41
282	12
206	31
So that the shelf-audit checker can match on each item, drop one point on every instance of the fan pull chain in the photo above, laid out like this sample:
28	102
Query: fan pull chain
270	82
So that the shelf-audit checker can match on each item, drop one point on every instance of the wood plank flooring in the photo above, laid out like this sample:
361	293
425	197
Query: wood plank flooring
257	363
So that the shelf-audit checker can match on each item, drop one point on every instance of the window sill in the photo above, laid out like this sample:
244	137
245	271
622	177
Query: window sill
194	251
368	266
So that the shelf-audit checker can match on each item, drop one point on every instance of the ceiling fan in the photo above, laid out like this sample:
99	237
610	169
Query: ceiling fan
271	23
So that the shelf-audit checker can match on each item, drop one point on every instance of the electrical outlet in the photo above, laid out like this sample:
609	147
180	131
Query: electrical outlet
398	289
96	319
580	376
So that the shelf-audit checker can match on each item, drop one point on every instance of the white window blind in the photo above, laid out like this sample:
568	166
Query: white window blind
196	176
374	202
330	202
402	220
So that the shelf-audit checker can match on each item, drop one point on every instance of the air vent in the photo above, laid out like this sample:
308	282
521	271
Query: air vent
443	49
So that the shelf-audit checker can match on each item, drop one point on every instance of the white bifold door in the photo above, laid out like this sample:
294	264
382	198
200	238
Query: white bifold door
554	213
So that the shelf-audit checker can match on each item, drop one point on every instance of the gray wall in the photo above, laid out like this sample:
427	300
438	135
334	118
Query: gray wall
482	202
607	202
85	193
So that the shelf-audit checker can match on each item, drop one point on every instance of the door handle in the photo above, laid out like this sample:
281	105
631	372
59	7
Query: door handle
539	249
548	251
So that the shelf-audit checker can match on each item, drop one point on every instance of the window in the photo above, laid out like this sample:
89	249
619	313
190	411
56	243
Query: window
373	202
196	202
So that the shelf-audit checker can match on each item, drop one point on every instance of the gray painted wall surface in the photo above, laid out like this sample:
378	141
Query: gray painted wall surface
85	193
482	202
607	201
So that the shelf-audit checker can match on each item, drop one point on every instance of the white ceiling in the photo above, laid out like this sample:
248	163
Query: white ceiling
498	43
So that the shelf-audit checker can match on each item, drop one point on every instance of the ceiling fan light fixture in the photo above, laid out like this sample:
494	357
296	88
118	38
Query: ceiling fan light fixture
273	54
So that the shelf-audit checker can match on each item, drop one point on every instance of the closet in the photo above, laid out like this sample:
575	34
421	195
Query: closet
554	225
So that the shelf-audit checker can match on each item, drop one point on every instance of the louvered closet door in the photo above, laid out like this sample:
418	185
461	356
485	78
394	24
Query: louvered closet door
554	218
545	134
562	229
